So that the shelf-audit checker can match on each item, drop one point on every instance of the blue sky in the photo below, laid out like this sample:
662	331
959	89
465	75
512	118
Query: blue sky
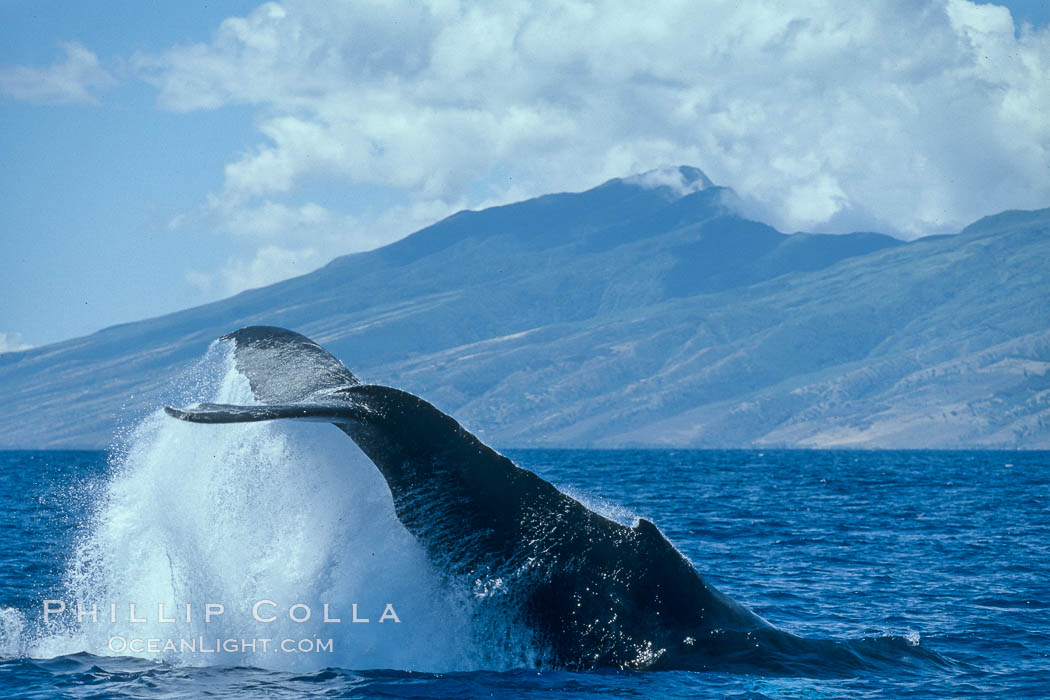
162	155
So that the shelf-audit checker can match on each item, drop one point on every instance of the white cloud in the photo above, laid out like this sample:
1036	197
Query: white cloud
671	177
891	114
74	79
12	342
270	264
293	240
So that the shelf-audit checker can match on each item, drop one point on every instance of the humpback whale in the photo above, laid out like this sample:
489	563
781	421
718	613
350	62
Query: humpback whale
592	592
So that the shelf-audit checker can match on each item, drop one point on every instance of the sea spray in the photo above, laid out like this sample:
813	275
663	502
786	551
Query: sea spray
273	522
12	628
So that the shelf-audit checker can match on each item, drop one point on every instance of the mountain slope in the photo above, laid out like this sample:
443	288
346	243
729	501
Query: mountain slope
628	314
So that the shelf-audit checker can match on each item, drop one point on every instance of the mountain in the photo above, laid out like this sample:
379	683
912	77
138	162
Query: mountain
642	312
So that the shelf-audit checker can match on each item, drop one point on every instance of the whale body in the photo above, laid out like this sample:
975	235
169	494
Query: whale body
592	592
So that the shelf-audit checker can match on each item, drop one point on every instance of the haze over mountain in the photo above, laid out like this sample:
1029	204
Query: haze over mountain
641	312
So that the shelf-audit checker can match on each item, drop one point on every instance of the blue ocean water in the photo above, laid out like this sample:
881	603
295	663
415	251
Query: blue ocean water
944	556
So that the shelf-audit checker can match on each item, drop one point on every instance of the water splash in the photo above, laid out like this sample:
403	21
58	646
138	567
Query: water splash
237	514
12	630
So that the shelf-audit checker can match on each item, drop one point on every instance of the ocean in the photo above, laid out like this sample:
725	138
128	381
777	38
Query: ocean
939	559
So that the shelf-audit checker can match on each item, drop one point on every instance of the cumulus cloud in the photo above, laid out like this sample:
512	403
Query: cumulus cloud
76	78
906	117
12	342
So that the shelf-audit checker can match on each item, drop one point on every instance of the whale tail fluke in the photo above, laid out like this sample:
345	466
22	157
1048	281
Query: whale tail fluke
284	367
292	376
229	413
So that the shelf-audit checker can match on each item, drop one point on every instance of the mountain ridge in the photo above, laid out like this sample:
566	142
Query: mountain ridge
629	314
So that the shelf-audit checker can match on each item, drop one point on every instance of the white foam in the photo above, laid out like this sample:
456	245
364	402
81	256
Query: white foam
234	514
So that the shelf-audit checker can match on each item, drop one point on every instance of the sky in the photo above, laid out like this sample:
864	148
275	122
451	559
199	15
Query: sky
158	156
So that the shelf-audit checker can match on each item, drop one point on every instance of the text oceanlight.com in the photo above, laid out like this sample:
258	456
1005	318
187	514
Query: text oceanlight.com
230	645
